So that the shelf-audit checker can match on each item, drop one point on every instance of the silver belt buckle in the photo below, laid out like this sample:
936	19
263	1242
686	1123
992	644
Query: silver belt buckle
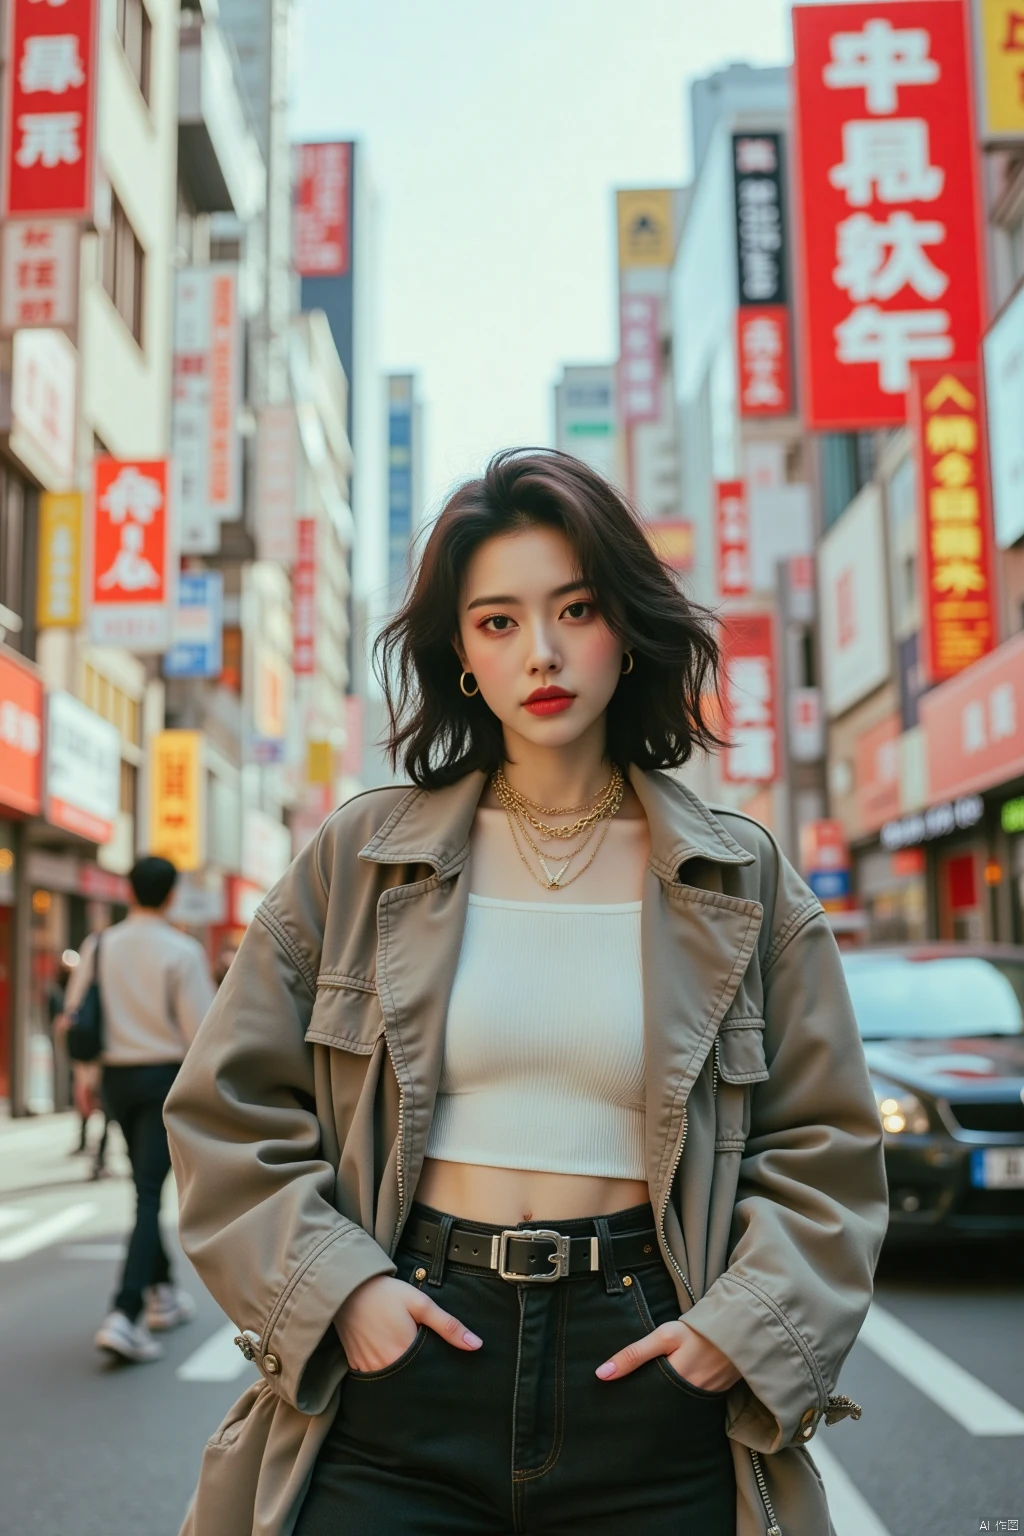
559	1258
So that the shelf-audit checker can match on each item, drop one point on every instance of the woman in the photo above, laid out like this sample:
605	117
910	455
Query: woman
530	1142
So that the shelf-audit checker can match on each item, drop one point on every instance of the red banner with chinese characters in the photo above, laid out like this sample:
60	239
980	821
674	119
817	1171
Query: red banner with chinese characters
21	738
887	203
955	565
132	580
762	352
639	358
304	599
320	223
49	150
732	538
749	704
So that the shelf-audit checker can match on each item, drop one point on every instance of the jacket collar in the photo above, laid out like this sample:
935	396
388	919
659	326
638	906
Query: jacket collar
433	826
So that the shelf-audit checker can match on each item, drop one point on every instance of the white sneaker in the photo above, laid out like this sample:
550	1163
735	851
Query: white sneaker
132	1341
167	1307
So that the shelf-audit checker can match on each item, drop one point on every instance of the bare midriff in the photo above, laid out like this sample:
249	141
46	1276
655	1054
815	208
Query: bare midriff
508	1196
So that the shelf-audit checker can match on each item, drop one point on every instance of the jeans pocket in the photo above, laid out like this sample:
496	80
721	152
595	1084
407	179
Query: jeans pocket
647	1319
405	1359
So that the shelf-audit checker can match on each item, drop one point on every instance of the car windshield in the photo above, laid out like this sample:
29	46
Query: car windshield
903	997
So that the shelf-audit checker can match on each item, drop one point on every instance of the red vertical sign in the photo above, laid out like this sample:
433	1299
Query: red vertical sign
320	227
639	358
732	538
132	581
955	562
749	703
49	149
304	599
885	178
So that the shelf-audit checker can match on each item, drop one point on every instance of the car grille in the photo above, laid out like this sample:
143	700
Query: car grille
989	1115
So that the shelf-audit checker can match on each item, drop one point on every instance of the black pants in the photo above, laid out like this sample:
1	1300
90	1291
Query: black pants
134	1097
521	1436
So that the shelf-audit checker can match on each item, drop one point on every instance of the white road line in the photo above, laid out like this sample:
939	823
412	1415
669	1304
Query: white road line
851	1513
11	1216
107	1252
219	1359
974	1406
42	1233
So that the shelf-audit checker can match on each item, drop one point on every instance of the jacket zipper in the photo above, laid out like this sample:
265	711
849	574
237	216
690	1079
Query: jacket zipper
399	1156
773	1527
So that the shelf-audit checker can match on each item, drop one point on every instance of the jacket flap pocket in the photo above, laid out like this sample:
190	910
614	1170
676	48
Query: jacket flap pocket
741	1051
346	1014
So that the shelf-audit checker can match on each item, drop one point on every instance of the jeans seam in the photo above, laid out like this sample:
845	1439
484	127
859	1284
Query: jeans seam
556	1446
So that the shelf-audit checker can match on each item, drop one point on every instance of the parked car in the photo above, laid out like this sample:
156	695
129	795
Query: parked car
943	1032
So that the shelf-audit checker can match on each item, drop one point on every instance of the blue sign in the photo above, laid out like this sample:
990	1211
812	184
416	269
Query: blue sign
198	626
400	487
829	884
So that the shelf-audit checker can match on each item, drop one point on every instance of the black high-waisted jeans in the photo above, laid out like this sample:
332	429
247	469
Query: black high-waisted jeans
520	1435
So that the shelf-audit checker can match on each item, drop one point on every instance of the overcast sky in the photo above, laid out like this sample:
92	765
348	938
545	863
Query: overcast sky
496	133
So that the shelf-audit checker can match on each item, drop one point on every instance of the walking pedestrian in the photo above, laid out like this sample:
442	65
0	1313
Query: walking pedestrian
530	1142
155	987
59	1021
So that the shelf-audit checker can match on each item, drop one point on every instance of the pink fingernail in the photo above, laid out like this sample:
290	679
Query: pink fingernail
606	1370
471	1339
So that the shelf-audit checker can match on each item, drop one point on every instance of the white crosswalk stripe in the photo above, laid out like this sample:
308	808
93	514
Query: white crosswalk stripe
851	1514
219	1359
966	1399
29	1238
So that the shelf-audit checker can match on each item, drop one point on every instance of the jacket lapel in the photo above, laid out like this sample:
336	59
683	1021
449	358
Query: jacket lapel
696	944
419	936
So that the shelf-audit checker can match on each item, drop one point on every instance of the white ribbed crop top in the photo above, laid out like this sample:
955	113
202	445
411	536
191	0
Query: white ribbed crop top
544	1050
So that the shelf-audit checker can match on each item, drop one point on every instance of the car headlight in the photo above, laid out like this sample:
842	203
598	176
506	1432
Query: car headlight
898	1109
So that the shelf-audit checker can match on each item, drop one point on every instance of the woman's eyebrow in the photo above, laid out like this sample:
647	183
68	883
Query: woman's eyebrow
488	602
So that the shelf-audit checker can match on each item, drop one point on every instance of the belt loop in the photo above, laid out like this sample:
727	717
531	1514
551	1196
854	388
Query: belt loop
444	1230
613	1284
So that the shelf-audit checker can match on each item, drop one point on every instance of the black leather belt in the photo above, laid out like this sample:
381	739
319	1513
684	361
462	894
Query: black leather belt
530	1253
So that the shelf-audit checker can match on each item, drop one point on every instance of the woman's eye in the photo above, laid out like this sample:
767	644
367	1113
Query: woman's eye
497	623
580	610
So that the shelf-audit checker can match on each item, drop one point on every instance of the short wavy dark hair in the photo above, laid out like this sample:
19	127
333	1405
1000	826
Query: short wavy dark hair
659	714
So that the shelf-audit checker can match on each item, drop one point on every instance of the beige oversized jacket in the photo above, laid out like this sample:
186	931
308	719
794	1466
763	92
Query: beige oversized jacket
299	1120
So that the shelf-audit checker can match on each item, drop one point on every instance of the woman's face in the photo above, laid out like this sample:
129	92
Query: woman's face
530	633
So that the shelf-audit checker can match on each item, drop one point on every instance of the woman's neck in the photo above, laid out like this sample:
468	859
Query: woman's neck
551	776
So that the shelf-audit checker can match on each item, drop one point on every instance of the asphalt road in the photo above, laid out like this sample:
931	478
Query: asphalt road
90	1450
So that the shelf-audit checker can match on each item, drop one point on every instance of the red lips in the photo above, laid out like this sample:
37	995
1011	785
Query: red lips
548	701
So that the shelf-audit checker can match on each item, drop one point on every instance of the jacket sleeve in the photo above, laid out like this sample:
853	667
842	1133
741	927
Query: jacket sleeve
812	1202
255	1190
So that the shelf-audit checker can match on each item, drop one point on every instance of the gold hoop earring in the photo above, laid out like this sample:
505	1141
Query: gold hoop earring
465	691
627	670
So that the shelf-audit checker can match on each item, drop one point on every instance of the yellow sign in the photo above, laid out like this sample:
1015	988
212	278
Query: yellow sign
1001	55
645	228
319	762
176	798
673	543
59	589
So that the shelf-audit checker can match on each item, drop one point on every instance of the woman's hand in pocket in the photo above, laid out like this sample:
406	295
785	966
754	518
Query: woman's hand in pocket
692	1357
379	1321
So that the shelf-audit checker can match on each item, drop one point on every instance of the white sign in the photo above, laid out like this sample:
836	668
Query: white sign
851	581
275	484
207	385
1003	349
781	524
39	277
806	727
83	769
266	848
44	377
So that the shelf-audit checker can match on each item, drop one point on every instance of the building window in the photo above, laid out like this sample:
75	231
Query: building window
124	265
135	30
113	704
848	462
127	800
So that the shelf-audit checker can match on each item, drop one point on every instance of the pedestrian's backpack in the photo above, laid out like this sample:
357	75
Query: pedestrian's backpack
85	1032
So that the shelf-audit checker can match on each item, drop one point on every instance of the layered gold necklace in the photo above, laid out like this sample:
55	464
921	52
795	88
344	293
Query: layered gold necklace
524	814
